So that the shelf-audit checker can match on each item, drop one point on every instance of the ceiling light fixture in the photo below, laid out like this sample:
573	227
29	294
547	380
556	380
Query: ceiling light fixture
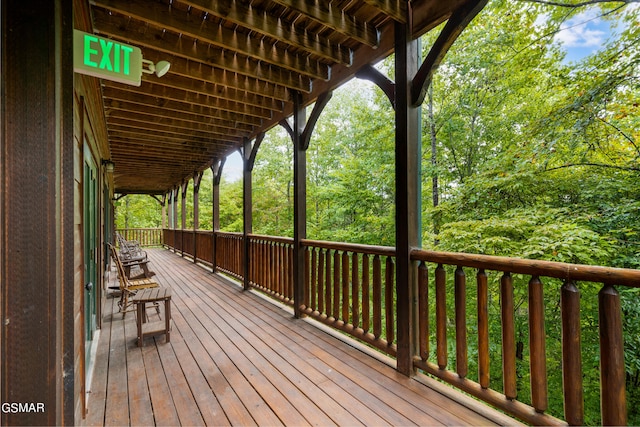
160	69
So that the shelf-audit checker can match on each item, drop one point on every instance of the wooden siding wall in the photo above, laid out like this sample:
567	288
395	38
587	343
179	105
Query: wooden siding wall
36	207
89	126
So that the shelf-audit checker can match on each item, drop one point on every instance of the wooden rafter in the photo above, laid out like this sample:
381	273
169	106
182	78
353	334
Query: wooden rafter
331	16
235	68
273	27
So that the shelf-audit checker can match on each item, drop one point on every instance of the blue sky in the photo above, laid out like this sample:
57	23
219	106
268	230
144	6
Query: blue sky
587	32
583	34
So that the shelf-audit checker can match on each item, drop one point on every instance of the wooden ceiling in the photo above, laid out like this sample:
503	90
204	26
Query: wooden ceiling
234	67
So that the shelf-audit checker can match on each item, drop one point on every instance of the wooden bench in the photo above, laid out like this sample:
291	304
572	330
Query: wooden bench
155	296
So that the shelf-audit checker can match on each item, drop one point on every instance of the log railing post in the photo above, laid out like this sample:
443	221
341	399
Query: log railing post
423	309
441	316
507	309
571	354
355	287
388	303
377	297
461	322
345	287
612	368
366	316
336	285
483	329
537	345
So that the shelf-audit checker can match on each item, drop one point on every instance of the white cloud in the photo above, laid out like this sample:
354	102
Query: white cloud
583	30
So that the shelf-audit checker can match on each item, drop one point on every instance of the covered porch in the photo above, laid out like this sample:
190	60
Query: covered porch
237	358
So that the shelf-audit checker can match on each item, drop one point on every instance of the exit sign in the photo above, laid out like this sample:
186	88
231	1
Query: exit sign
107	59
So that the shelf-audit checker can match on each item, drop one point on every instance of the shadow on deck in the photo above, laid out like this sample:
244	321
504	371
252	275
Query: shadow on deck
235	358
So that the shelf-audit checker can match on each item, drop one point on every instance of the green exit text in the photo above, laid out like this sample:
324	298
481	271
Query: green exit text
108	59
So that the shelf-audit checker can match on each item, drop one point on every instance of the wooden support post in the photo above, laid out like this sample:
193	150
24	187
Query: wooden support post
300	134
407	195
249	152
183	206
37	353
169	199
164	210
247	211
299	200
183	216
197	179
216	170
175	194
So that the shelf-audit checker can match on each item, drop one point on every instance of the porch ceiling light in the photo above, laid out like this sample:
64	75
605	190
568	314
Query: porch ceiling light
160	69
109	166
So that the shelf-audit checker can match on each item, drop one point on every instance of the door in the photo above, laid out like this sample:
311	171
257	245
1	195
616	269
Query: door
90	250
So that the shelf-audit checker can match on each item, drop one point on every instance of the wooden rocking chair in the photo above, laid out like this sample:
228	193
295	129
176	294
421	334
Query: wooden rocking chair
128	287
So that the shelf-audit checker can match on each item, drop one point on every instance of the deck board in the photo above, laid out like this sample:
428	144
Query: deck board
236	358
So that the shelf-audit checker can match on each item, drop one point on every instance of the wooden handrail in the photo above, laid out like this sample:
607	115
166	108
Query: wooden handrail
351	247
559	270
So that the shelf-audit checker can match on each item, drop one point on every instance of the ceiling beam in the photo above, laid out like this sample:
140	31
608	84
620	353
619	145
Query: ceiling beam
271	26
396	9
115	108
189	24
168	93
332	17
199	71
153	101
171	127
217	91
189	48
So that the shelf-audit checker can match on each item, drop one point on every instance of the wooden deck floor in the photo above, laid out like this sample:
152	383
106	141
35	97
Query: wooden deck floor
237	359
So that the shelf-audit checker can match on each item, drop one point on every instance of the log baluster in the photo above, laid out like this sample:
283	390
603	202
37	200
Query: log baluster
483	329
355	291
282	278
423	310
612	369
321	268
275	268
313	288
366	316
377	297
328	285
461	322
336	285
571	354
258	262
441	316
345	287
268	280
289	271
538	354
272	266
388	303
507	313
307	275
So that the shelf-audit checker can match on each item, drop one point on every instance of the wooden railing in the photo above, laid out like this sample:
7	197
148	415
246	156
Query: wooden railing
496	304
144	236
271	268
352	288
505	277
230	253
